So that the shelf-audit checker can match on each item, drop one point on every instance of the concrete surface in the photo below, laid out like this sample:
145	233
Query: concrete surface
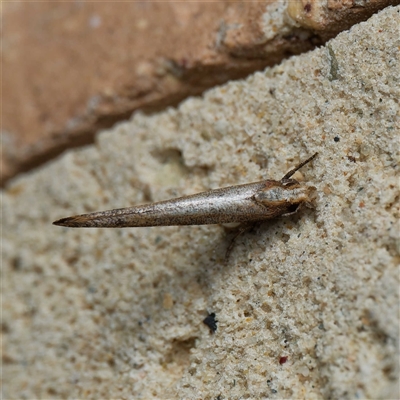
307	306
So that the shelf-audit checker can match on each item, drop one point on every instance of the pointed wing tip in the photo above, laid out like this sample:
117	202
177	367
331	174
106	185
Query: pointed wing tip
62	222
71	222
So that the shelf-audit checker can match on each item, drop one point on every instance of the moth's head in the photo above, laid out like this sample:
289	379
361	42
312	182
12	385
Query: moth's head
286	194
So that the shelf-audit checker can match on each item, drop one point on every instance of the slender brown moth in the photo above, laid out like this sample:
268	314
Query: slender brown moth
248	203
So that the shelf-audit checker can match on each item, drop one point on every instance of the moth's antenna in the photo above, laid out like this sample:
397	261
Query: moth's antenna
292	171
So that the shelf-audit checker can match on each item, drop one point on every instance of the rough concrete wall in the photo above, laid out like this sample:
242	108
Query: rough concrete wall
307	305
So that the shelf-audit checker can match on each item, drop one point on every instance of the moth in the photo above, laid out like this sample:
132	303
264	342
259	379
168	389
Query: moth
248	203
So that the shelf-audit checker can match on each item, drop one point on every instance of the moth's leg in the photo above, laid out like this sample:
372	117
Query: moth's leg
309	204
295	211
242	228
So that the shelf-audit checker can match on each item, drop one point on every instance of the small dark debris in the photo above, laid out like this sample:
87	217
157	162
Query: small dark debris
351	158
211	322
336	139
92	289
307	8
17	263
283	359
4	327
